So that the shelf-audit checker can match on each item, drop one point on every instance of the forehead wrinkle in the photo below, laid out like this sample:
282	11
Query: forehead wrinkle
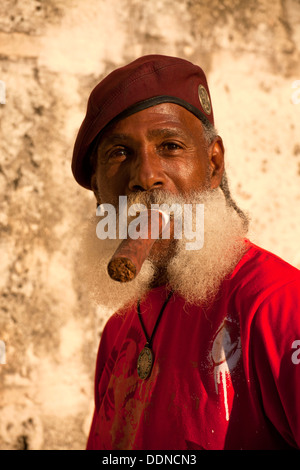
166	132
113	138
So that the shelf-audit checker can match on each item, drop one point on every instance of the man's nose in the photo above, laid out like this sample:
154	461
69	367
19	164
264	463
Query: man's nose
146	171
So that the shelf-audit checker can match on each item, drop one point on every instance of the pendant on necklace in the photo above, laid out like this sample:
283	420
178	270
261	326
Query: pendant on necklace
145	362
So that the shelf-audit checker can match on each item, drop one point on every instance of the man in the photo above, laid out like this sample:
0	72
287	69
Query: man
202	353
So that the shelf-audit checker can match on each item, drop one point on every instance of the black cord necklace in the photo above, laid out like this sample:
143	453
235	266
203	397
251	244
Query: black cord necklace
146	357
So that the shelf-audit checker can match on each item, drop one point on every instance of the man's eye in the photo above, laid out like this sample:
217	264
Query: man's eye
171	146
117	153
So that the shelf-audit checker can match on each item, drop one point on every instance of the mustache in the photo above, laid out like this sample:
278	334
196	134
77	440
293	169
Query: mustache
161	196
147	198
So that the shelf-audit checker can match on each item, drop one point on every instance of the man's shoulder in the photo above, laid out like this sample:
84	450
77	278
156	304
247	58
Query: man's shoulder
260	272
117	319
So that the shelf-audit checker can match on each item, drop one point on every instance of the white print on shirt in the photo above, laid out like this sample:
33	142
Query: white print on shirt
296	354
226	351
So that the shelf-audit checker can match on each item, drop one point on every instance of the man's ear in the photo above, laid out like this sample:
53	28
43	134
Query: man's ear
216	162
94	187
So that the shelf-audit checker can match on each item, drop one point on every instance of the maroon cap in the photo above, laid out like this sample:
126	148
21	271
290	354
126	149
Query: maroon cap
145	82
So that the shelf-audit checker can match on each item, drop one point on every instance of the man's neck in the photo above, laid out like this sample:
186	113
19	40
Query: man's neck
160	277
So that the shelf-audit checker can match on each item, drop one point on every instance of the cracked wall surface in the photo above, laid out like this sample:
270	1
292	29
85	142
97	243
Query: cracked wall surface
52	53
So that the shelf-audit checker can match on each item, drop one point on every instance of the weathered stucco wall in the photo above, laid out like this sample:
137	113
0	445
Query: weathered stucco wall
52	53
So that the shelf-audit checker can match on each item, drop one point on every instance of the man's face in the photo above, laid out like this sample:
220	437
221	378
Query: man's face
162	147
159	148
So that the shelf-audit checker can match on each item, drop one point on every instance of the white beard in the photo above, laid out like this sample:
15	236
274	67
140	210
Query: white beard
196	275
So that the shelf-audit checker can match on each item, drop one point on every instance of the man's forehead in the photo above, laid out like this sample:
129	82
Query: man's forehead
114	137
164	120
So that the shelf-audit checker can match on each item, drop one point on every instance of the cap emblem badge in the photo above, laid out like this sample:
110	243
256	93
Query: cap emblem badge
204	99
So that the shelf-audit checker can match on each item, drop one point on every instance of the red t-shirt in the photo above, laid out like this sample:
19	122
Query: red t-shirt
225	376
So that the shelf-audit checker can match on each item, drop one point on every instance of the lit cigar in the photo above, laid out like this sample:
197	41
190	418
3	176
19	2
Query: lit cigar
129	257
